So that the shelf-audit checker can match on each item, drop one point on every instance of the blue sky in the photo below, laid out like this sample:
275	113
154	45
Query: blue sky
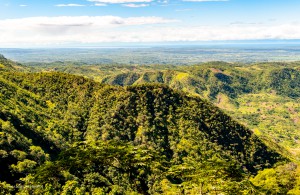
98	22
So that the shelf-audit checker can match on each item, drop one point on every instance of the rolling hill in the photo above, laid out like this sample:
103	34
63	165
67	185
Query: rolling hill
62	133
263	96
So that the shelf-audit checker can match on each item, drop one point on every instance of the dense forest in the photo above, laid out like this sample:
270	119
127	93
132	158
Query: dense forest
263	96
138	133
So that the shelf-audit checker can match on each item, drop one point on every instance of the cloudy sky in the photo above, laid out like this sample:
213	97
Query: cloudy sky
34	23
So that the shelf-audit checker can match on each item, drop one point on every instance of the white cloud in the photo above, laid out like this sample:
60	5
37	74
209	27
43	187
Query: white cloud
100	29
206	0
163	1
23	5
69	5
100	4
183	10
120	1
67	21
133	5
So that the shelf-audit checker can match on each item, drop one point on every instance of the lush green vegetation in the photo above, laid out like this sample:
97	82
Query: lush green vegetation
63	134
263	96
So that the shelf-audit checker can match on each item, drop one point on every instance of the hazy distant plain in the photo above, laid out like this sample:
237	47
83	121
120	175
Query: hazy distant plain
175	55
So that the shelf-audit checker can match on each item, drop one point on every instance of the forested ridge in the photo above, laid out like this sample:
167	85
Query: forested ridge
66	134
264	96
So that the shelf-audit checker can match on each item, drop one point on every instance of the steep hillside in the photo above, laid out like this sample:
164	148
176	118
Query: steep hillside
66	133
8	65
263	96
5	64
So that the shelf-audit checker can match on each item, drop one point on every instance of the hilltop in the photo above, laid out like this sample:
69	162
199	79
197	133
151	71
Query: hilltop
262	96
54	124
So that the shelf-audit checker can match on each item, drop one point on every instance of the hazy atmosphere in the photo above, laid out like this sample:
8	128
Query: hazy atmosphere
50	23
